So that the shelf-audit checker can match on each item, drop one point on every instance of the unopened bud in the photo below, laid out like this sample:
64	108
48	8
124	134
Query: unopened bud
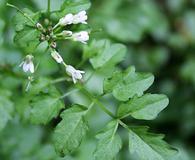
39	26
46	22
53	45
50	29
47	37
67	33
42	37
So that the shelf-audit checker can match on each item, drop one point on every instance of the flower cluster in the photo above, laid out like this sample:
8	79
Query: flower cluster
69	19
82	36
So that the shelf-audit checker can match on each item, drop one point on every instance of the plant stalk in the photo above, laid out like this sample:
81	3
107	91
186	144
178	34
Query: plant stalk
48	8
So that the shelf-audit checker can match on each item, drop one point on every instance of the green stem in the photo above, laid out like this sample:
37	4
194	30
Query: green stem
62	79
86	92
94	99
123	124
104	108
57	28
67	94
24	14
49	8
90	106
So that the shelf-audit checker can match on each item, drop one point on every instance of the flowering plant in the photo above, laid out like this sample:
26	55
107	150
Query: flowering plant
43	103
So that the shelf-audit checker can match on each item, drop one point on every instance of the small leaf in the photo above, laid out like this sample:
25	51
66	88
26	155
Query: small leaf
109	142
72	6
28	39
27	36
93	48
149	146
6	109
44	108
146	107
40	85
71	130
125	85
20	21
108	54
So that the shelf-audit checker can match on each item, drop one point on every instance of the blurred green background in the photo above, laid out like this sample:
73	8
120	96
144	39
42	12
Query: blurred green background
160	37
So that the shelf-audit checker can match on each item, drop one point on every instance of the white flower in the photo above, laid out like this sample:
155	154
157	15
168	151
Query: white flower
75	74
57	57
82	36
81	17
66	20
27	65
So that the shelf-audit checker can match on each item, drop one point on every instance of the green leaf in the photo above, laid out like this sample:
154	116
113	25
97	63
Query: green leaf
44	107
72	6
95	47
146	107
27	36
40	85
149	146
6	109
23	107
125	85
107	54
46	152
20	21
28	39
71	130
109	142
130	20
21	139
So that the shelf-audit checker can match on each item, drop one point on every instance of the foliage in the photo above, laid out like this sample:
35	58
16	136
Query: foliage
58	112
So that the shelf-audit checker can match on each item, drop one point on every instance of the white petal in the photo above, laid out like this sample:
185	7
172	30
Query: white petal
82	13
31	67
70	70
74	79
84	22
68	19
26	67
81	71
77	75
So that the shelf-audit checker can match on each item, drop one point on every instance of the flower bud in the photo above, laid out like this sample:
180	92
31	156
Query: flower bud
67	33
53	45
57	56
39	26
